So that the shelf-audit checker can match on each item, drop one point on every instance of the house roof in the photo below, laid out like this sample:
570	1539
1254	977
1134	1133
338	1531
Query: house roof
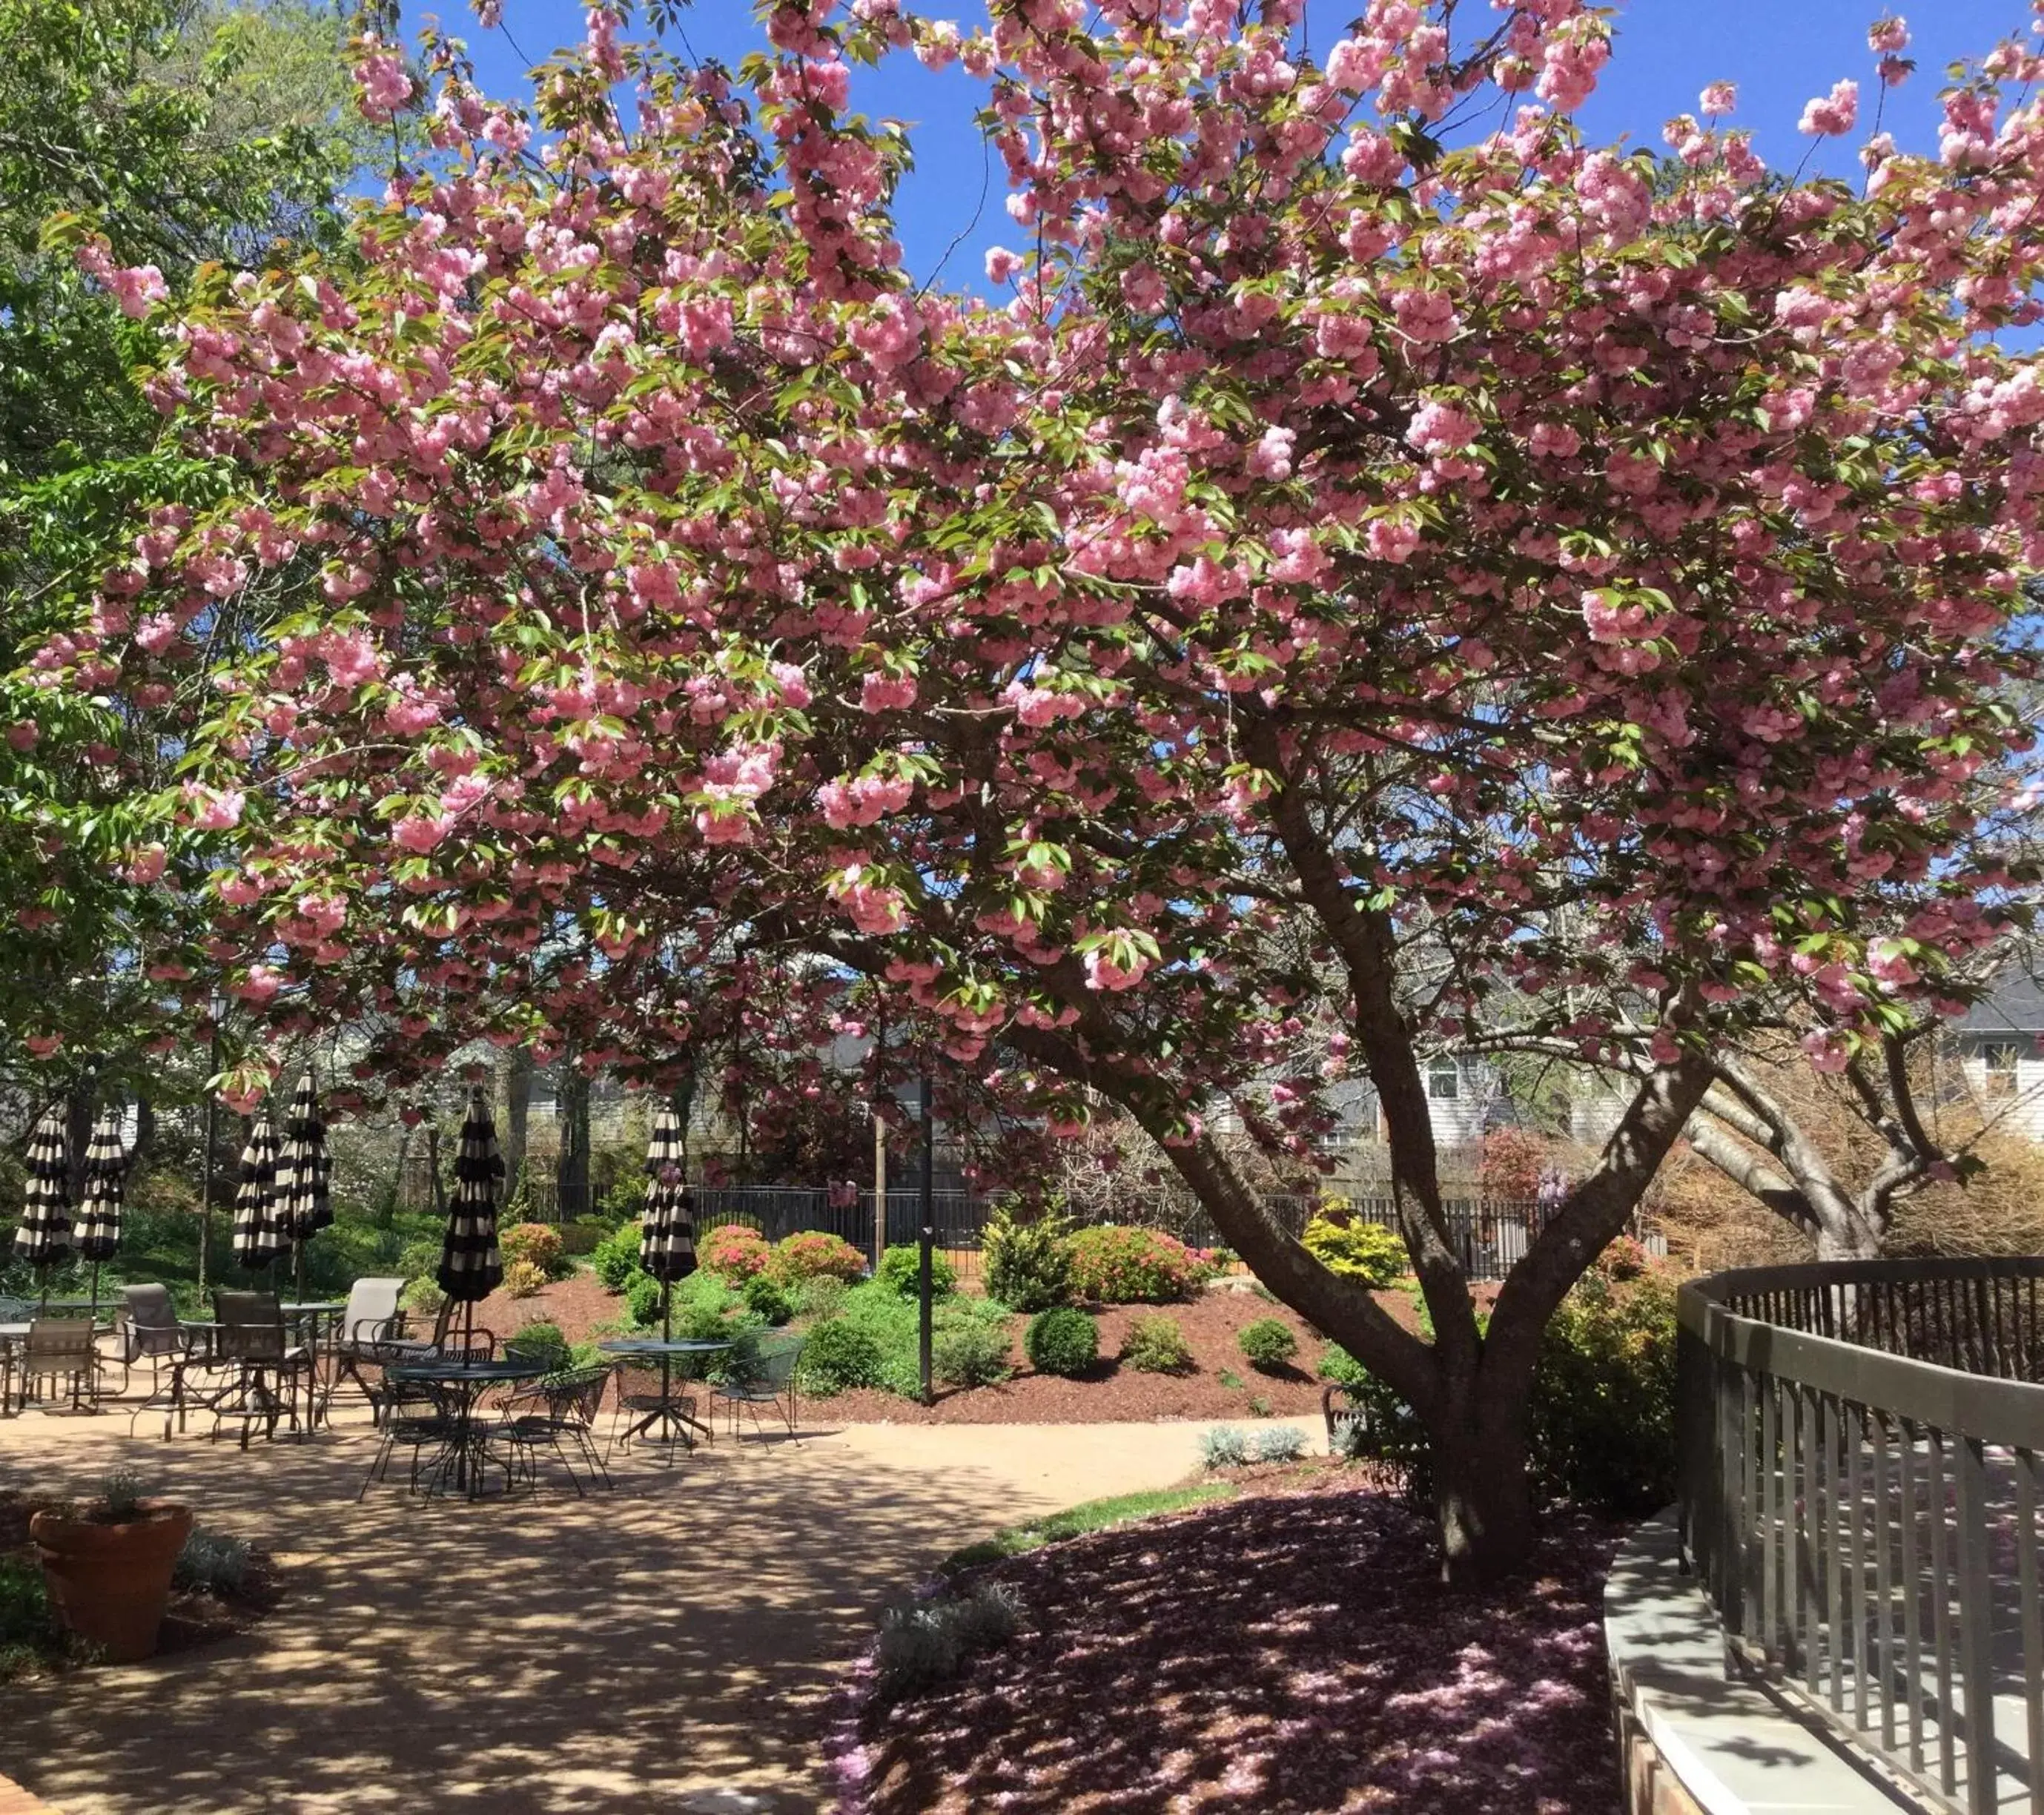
2016	1006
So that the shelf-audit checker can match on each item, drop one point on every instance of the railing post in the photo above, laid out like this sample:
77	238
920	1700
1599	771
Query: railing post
1976	1631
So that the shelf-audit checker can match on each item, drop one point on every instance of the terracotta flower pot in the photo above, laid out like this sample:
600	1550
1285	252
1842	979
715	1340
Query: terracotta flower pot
110	1583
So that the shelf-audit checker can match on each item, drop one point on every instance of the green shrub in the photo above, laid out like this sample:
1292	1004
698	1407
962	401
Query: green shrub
925	1642
616	1258
819	1296
423	1297
1224	1446
838	1353
1602	1429
1338	1365
1112	1264
1281	1443
768	1297
29	1632
540	1340
1357	1250
817	1254
523	1277
211	1564
900	1270
642	1301
582	1237
627	1195
1027	1264
735	1252
970	1354
1062	1340
1156	1345
416	1260
1267	1344
538	1242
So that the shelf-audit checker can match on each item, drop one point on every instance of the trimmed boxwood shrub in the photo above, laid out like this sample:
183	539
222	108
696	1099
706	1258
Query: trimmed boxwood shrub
901	1266
1062	1340
838	1353
1156	1345
1113	1264
642	1299
1268	1343
817	1254
767	1295
735	1252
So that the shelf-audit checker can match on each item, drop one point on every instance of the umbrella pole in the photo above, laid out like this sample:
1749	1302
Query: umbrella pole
94	1313
667	1310
302	1273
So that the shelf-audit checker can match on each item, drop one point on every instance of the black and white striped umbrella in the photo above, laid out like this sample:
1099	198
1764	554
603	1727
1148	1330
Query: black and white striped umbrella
98	1230
258	1240
667	1229
471	1266
303	1205
43	1236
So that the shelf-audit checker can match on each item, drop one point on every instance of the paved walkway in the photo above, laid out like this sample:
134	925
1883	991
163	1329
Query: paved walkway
669	1646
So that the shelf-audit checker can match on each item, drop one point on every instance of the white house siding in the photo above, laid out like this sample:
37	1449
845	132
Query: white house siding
2020	1111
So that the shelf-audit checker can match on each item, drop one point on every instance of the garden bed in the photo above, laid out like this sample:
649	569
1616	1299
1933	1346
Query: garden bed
194	1617
1290	1651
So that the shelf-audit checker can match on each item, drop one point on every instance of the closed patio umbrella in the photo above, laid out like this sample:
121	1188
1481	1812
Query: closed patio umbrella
471	1266
304	1206
257	1239
98	1230
667	1229
43	1236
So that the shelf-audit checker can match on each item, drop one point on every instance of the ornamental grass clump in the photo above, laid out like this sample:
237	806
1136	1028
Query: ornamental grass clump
1062	1340
1115	1264
927	1642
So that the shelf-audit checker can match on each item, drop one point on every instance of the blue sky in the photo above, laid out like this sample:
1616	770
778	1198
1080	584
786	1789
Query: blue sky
1780	52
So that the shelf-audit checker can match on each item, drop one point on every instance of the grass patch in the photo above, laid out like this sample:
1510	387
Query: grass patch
1091	1516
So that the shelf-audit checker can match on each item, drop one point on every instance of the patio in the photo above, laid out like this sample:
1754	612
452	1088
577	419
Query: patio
671	1642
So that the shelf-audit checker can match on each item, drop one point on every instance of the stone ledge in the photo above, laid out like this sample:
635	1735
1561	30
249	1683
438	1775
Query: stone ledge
1695	1741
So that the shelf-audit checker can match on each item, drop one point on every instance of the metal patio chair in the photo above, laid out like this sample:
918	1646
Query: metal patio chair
769	1382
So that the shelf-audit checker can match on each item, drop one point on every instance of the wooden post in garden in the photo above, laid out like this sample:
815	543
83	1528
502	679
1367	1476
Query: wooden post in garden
879	1188
925	1239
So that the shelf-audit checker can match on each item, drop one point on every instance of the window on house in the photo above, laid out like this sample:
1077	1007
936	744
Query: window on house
1998	1059
1444	1081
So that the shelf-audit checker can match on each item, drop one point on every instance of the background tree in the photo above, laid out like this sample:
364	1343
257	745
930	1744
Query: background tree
1360	578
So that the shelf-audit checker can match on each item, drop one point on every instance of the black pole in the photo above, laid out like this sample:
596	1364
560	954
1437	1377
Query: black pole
926	1238
206	1196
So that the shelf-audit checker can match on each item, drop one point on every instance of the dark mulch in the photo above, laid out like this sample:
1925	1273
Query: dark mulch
1291	1652
193	1618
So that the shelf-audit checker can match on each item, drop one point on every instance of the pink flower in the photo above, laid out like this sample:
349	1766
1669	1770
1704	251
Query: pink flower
145	864
1001	264
260	985
137	289
1827	1050
1830	116
214	810
1393	539
1888	36
385	85
886	692
1439	427
421	832
23	734
42	1045
1718	99
1271	457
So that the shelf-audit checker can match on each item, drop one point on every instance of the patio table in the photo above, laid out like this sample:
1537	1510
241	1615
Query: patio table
460	1384
309	1316
667	1411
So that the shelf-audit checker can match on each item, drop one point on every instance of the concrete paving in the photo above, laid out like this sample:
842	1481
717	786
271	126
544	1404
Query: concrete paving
671	1644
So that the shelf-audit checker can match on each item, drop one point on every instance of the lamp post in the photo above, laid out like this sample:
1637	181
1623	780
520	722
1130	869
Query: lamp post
925	1240
218	1008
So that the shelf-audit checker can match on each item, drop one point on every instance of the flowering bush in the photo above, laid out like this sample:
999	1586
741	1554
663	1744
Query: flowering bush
1367	1252
537	1243
735	1252
1513	1159
1113	1264
813	1254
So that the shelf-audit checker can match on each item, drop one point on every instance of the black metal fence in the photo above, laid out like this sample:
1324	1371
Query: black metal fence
1861	1489
1491	1235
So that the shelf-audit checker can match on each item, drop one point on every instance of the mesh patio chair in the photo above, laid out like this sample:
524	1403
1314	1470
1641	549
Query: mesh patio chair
416	1416
11	1311
61	1349
147	1330
556	1413
769	1381
373	1316
253	1343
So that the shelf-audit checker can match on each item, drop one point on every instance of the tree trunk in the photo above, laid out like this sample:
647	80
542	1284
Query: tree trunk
1482	1496
518	1112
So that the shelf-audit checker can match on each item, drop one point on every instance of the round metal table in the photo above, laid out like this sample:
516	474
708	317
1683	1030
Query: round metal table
669	1413
458	1383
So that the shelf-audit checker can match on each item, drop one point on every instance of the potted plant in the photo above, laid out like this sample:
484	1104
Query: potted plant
108	1564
